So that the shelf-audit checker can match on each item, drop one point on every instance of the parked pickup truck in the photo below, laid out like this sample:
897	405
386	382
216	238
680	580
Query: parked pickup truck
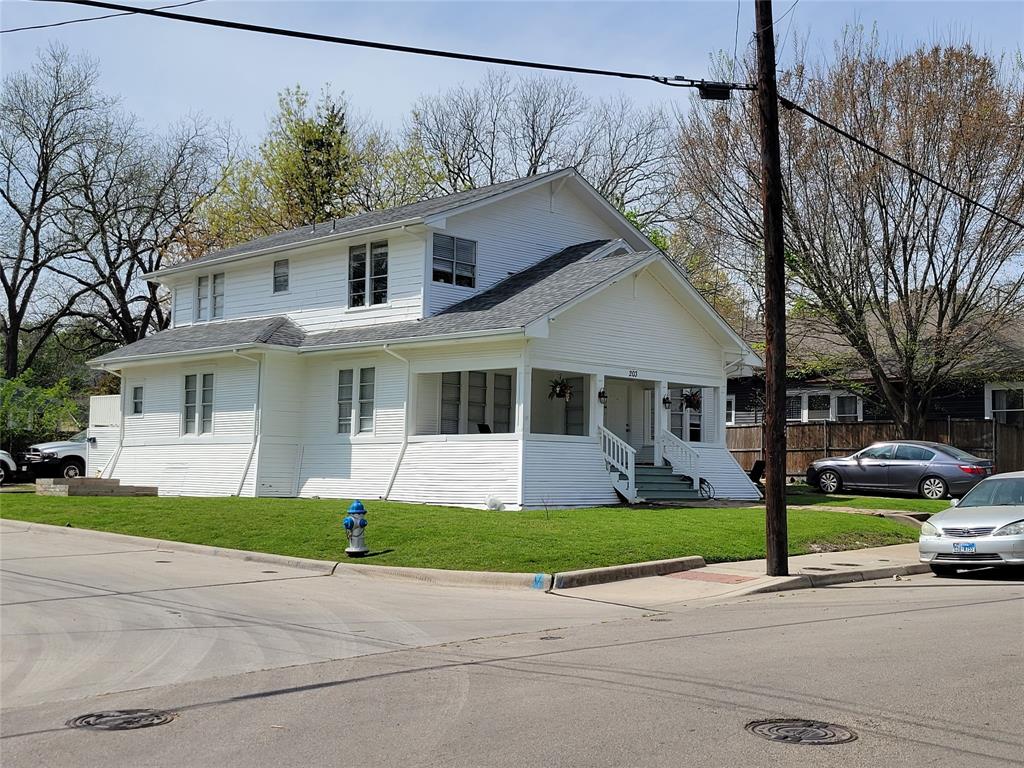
64	458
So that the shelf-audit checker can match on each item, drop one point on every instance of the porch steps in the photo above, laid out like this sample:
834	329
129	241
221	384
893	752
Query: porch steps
89	486
659	484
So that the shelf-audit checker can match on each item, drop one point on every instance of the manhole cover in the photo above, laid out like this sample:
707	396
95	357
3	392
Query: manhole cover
121	719
801	731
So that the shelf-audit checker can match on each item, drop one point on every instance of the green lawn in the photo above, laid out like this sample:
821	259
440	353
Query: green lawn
806	496
444	537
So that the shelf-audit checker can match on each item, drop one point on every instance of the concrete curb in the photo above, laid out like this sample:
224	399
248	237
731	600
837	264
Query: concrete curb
440	577
814	580
541	581
584	578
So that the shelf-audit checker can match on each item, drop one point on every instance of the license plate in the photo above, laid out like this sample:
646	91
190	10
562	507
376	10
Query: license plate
964	548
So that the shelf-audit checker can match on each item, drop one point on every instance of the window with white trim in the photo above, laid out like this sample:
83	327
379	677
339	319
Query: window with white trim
847	408
137	401
454	261
477	404
280	275
823	405
368	278
503	399
345	402
451	398
794	407
197	409
1008	404
209	297
819	407
366	387
730	410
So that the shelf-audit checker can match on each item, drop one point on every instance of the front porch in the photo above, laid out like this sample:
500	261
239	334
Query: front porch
561	437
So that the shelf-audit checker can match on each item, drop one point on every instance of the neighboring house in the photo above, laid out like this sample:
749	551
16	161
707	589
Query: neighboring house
423	353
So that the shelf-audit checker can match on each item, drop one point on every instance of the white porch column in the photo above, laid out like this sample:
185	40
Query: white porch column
524	386
660	420
596	407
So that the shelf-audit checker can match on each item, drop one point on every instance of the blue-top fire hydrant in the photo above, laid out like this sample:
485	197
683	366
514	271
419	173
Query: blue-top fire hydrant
355	529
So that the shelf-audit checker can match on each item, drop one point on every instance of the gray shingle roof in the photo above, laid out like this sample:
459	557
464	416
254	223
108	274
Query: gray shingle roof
277	329
368	220
511	305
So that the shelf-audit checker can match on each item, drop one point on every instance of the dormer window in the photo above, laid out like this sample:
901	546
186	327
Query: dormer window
368	283
454	261
210	297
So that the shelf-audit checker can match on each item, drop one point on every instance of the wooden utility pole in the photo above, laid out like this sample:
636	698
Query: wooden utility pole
776	533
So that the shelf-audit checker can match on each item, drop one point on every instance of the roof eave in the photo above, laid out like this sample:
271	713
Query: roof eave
100	364
408	340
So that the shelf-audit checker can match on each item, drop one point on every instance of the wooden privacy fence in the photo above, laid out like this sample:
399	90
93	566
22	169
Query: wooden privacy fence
986	439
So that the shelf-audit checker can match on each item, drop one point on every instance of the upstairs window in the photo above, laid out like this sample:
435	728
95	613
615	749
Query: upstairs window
210	297
368	282
454	261
281	276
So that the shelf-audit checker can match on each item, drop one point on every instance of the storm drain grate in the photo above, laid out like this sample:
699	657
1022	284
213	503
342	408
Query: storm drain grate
801	731
121	719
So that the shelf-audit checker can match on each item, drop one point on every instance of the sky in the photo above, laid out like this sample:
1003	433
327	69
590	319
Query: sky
162	70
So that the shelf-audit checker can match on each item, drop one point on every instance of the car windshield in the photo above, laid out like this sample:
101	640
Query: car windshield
995	492
79	438
959	455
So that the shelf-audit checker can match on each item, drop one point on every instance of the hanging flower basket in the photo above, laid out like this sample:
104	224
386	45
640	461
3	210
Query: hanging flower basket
692	400
561	389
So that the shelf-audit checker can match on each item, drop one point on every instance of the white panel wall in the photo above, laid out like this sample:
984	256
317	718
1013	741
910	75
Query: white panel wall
633	325
516	233
317	295
560	473
730	481
460	472
155	452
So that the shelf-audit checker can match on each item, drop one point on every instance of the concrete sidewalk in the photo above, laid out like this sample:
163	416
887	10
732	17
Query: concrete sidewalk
727	580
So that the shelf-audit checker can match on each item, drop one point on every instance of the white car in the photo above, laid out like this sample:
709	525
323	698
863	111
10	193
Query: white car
63	458
984	528
8	469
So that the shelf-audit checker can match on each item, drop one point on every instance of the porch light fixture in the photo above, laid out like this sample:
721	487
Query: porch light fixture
602	397
667	401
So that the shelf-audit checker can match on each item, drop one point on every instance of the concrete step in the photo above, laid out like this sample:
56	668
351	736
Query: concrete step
653	471
679	495
668	484
92	482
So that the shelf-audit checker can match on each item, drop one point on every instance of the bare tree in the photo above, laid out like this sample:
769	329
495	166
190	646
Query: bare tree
45	115
136	198
912	278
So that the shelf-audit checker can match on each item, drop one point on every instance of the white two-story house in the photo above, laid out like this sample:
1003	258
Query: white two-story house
516	346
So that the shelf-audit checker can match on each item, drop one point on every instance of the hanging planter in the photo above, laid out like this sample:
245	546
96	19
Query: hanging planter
692	399
561	389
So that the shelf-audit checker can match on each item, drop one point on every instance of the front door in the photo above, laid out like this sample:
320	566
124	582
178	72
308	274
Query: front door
616	410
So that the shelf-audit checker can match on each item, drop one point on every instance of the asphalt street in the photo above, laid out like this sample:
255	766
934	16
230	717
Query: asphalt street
926	671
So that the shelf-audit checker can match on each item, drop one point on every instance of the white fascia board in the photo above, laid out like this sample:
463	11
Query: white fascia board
331	236
439	338
157	357
539	328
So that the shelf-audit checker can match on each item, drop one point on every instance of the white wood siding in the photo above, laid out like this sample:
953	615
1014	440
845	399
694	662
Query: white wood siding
462	471
637	325
154	451
428	403
515	233
563	473
317	295
719	467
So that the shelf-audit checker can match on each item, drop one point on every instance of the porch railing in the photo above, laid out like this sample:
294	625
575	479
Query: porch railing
620	456
681	455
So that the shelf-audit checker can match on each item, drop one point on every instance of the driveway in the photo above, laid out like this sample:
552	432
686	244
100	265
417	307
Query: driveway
82	616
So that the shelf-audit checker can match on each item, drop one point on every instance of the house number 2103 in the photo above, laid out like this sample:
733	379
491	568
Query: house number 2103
634	374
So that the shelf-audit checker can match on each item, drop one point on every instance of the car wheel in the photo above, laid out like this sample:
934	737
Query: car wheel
72	469
944	570
829	481
934	488
3	474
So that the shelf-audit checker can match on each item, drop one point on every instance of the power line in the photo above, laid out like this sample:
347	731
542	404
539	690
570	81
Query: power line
860	142
677	81
93	18
735	40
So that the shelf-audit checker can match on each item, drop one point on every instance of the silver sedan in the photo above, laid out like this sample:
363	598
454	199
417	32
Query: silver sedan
986	527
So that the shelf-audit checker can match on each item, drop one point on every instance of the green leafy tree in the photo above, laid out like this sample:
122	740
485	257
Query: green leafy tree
31	413
304	172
